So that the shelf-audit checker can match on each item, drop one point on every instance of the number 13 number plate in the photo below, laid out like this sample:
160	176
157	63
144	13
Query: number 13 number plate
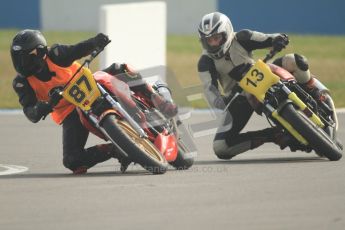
258	80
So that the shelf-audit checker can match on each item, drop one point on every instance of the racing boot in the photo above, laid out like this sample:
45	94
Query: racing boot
262	136
167	108
316	89
283	140
165	102
113	152
82	161
277	136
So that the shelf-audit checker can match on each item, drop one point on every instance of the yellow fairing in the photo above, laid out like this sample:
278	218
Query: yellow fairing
82	91
258	80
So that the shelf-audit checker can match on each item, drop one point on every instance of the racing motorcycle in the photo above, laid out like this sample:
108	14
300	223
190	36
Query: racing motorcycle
139	132
307	117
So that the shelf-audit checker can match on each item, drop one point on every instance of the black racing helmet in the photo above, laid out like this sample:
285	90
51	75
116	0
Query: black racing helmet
28	50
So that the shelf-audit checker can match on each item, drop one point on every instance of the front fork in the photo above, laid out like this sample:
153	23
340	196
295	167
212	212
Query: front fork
116	106
302	106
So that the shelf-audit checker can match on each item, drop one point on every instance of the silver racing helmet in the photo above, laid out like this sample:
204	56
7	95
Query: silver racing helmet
215	26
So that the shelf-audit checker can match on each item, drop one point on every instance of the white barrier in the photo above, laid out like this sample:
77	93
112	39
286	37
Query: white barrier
138	34
80	15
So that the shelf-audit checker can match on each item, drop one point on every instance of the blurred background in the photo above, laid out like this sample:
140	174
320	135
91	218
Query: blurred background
316	30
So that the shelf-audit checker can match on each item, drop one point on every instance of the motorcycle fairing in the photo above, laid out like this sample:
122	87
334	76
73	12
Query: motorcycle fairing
166	144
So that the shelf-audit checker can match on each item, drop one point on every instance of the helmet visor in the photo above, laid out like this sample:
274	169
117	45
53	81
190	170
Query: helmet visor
29	63
214	42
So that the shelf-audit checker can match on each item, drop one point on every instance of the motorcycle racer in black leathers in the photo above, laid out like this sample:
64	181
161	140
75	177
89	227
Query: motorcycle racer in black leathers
30	55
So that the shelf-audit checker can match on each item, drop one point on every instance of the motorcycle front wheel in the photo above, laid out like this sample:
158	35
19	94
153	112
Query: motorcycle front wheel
317	138
140	150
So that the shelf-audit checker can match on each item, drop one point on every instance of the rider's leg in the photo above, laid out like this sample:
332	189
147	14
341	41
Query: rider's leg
229	142
297	65
75	157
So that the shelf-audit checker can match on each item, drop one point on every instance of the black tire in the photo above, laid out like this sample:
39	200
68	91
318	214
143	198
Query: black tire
317	138
119	131
184	159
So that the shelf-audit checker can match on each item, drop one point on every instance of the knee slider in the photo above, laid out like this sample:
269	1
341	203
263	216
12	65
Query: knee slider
222	150
71	162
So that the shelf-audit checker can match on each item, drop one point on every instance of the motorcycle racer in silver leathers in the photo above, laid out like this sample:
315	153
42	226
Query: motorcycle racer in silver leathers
224	55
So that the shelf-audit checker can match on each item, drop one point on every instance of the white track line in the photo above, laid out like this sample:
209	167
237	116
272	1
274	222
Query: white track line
12	169
11	111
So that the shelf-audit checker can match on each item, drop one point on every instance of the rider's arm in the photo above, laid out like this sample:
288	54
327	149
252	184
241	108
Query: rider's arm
33	109
124	73
137	84
65	55
209	75
252	40
115	69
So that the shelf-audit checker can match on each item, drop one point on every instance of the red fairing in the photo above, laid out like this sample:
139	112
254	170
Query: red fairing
141	97
165	143
282	73
119	88
114	85
167	146
88	125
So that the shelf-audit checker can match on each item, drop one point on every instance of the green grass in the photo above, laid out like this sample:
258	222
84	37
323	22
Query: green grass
326	55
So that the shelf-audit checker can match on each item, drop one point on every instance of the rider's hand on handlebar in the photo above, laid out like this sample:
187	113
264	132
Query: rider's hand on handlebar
43	108
55	96
100	41
280	42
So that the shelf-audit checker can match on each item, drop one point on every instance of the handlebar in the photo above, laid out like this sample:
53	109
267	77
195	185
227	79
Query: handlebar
87	62
94	54
58	91
270	55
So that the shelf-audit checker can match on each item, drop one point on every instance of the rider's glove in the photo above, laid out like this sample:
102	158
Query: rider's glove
43	108
55	96
219	102
100	41
280	42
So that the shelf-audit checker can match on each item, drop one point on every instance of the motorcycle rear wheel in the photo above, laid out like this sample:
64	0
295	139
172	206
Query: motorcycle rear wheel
184	159
140	150
317	138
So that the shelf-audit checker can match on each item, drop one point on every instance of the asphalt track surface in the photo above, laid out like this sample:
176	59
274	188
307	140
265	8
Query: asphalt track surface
262	189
